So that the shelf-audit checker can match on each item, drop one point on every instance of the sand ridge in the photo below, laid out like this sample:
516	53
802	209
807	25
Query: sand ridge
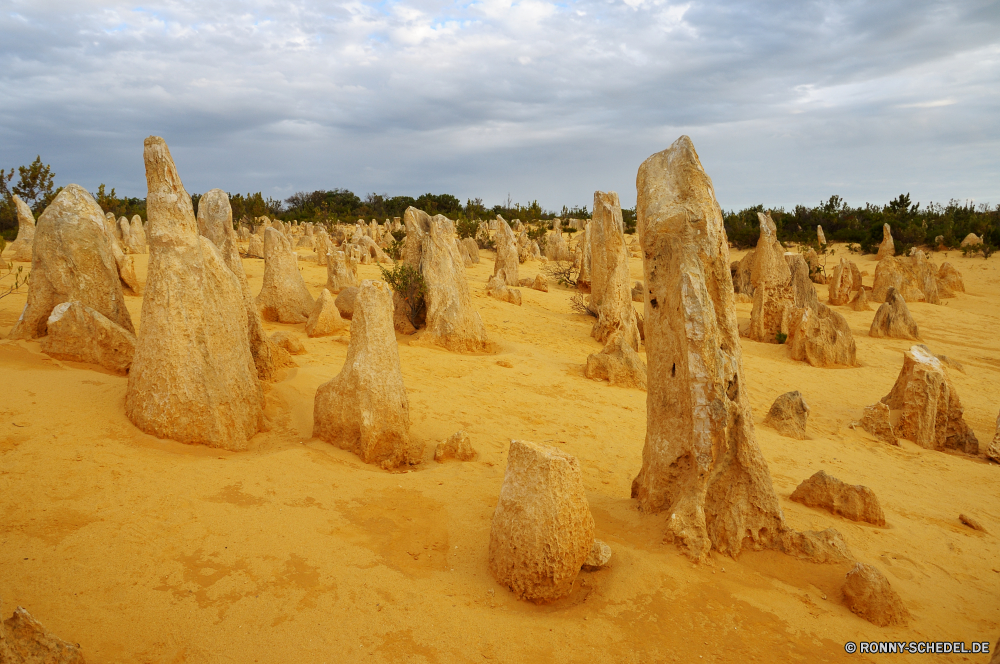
147	550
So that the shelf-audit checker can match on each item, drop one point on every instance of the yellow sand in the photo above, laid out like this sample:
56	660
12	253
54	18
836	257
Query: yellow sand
146	550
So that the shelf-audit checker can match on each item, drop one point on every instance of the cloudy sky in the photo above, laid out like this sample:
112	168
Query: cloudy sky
786	102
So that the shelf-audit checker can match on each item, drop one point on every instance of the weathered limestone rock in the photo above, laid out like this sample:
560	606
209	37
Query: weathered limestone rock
700	461
215	222
772	296
803	291
371	250
256	247
993	452
821	337
860	301
72	260
20	249
618	363
288	341
816	274
556	248
820	236
742	272
458	446
23	640
364	408
854	502
193	378
540	283
77	332
137	236
506	261
875	421
463	252
345	301
610	293
338	275
949	281
856	282
542	530
930	412
913	276
893	319
324	245
867	593
124	233
887	248
283	296
842	284
325	318
788	415
972	240
497	289
472	248
599	556
585	273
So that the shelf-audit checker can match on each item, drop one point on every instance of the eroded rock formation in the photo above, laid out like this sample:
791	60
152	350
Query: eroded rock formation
867	593
851	501
20	248
788	415
618	363
77	332
821	337
283	296
893	319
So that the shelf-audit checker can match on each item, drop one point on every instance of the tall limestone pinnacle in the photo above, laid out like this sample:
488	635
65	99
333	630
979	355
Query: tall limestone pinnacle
700	462
193	377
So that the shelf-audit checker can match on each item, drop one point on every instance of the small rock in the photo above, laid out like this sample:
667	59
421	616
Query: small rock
325	318
788	415
600	556
285	339
77	332
24	640
855	502
457	447
869	595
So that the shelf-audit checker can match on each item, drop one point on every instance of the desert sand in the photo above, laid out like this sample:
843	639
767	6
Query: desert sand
148	550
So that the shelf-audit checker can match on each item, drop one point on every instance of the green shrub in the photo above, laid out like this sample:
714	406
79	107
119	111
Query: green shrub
409	284
781	337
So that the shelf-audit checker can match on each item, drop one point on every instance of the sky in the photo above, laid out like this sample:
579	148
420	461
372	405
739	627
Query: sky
787	102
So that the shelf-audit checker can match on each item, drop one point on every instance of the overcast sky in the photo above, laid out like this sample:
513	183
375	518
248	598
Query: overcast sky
786	102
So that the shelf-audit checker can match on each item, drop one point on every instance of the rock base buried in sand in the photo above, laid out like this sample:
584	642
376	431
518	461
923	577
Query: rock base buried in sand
893	319
498	290
458	446
542	530
788	415
23	640
867	593
854	502
288	341
600	556
875	421
617	363
325	318
78	333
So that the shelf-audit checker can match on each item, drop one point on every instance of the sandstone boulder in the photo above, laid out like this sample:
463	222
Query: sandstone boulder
556	248
139	244
700	462
325	318
618	363
868	594
887	248
893	319
472	248
877	422
788	415
542	531
283	296
949	281
972	240
742	271
854	502
338	275
497	289
193	377
23	640
540	283
993	452
77	332
72	261
820	236
821	337
930	412
20	249
458	446
364	409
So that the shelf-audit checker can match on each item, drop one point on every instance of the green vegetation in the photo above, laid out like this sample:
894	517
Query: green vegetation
408	283
34	186
780	337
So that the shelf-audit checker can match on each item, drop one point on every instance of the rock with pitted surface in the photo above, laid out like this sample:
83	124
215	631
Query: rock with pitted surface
193	377
993	451
472	248
913	276
256	247
345	301
540	283
867	593
72	261
788	415
741	273
77	332
887	248
697	398
556	248
288	341
929	411
618	363
458	446
876	421
215	222
364	409
139	244
893	319
542	531
283	296
851	501
23	640
822	338
20	249
949	281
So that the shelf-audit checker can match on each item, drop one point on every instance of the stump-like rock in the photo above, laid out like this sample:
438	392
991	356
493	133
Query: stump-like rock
893	319
542	531
820	236
887	248
876	421
138	236
283	296
788	415
215	222
20	249
700	462
868	594
364	408
822	338
860	301
325	318
803	290
72	261
851	501
949	281
930	412
540	283
458	446
993	451
618	363
497	289
77	332
913	276
345	301
256	247
193	378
